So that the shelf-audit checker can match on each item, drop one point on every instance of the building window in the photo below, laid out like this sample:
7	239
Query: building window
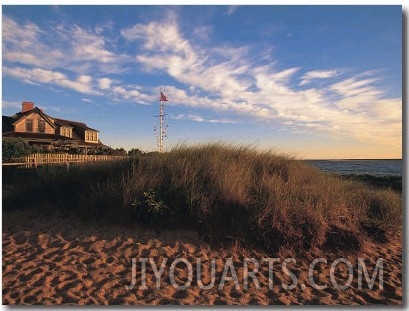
66	131
29	125
91	136
41	126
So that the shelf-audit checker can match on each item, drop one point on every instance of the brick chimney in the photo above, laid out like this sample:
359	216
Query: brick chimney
27	106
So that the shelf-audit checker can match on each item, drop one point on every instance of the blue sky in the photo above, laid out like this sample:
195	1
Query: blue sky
312	81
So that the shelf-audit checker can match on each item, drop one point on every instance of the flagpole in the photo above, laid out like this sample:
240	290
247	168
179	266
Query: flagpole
162	133
161	123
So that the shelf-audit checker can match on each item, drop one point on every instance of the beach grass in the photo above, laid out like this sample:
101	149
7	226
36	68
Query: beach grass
228	193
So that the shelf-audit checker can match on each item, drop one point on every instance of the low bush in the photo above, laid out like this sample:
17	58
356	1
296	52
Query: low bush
14	148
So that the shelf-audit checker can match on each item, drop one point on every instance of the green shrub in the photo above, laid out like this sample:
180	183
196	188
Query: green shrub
150	209
135	152
14	148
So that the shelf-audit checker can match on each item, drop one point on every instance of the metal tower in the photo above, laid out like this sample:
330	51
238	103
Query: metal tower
162	127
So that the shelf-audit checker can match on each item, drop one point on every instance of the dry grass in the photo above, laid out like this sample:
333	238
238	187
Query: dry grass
231	192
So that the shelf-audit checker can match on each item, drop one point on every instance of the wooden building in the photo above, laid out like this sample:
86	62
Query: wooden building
41	130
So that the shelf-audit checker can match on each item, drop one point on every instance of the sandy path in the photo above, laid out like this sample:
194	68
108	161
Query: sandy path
51	257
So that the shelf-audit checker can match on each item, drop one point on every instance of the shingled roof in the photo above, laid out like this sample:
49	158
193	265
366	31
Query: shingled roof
74	124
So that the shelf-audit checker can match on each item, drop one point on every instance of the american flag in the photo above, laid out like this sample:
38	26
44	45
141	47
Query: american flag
163	97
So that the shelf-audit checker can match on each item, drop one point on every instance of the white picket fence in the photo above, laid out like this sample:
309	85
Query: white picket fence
50	158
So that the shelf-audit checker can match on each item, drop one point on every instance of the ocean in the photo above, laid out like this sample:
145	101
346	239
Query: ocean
360	167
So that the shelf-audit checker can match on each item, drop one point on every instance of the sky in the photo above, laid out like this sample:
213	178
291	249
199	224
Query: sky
315	82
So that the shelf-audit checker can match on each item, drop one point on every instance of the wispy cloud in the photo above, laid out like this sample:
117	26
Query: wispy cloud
83	84
219	78
241	86
356	88
11	104
167	50
89	46
64	46
318	74
23	43
104	83
130	94
231	9
197	118
203	32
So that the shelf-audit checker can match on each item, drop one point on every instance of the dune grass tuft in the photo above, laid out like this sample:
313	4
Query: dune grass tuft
230	192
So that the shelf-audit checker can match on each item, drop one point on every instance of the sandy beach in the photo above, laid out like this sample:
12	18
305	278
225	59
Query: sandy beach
52	257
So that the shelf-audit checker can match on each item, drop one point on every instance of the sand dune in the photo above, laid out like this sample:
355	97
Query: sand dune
51	257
